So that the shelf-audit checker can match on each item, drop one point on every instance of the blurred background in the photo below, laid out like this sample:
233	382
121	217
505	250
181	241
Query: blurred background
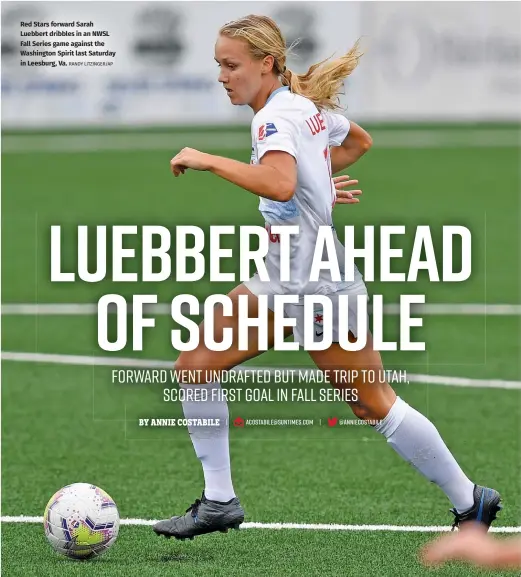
439	89
425	61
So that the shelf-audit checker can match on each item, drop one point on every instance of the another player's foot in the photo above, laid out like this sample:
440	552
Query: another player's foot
486	506
203	516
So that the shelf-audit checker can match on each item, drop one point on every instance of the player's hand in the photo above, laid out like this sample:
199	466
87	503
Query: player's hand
346	196
471	544
189	158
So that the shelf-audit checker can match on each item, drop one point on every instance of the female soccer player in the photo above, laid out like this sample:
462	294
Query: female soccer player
297	143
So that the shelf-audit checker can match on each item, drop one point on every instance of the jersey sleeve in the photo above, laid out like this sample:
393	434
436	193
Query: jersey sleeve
338	127
279	133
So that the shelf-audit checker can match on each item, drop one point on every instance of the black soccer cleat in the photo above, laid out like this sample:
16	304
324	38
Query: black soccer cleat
203	516
487	503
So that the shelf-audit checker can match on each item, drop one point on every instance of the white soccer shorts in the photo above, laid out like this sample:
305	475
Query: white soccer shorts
296	311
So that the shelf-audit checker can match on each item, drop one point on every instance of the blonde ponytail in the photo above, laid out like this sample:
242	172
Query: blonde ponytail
322	83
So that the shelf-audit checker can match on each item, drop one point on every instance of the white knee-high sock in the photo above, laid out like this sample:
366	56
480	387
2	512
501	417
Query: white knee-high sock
211	444
417	441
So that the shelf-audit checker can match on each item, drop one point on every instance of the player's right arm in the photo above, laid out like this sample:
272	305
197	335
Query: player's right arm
347	140
355	144
346	196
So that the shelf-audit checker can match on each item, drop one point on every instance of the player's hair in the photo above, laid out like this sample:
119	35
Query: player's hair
322	83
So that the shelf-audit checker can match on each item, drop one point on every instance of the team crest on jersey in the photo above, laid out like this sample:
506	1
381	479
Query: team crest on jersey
266	130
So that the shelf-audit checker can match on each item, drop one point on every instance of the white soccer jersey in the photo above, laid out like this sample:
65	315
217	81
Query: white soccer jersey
293	124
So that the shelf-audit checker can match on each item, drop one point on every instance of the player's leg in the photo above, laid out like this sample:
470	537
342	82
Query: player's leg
408	432
211	443
204	359
219	508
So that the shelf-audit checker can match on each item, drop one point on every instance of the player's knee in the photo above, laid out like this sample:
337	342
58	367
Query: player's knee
373	402
370	410
192	368
360	410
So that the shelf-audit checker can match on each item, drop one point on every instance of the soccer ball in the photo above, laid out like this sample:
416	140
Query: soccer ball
81	521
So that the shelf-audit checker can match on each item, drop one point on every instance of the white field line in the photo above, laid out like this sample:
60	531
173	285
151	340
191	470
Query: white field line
80	309
301	526
81	360
382	138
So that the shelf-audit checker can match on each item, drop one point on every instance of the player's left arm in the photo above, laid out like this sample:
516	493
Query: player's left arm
275	178
275	145
355	145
